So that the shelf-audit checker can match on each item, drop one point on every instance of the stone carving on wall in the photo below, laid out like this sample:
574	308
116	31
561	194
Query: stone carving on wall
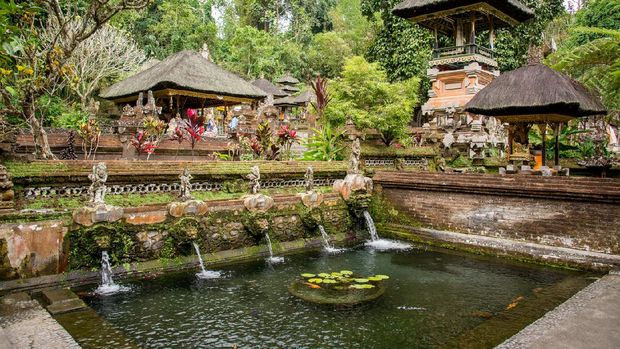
6	190
254	178
309	178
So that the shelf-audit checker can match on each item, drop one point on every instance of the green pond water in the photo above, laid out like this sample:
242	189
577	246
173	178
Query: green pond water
433	299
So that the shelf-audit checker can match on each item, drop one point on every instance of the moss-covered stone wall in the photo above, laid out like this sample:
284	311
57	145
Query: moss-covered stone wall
149	233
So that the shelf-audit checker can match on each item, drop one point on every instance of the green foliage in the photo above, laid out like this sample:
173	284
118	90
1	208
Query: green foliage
364	94
58	113
513	43
352	26
167	27
325	144
255	53
327	54
569	143
589	50
401	47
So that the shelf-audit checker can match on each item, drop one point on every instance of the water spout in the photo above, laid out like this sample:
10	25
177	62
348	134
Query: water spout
381	244
272	259
370	224
328	247
204	273
108	286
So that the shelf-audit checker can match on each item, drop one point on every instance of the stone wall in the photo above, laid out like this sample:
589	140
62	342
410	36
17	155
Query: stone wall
148	233
578	213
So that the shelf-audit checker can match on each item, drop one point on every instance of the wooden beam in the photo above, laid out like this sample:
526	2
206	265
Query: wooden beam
480	7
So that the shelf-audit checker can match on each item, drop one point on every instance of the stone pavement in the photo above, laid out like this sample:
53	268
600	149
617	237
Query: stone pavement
25	324
590	319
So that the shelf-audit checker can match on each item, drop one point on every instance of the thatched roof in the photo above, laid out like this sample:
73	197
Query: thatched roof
287	79
186	70
535	92
301	100
269	88
424	9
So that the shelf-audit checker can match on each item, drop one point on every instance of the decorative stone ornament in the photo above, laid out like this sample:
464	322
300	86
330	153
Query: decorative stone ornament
97	211
258	203
188	208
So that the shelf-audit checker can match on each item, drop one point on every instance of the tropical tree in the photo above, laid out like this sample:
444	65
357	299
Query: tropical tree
106	55
365	95
33	67
327	54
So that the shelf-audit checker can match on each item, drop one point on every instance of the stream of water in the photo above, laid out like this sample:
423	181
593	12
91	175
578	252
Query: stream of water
204	273
108	286
381	244
272	259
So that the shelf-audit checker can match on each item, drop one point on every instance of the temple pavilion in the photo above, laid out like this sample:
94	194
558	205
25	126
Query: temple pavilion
185	80
464	67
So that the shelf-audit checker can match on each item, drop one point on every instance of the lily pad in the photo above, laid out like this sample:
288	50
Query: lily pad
324	275
382	277
336	274
346	272
307	275
361	281
375	279
316	280
330	281
362	287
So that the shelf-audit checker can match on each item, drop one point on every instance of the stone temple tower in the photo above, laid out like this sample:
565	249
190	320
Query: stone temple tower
465	66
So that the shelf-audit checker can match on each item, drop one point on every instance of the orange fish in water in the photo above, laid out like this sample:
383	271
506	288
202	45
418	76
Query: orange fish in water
314	286
514	302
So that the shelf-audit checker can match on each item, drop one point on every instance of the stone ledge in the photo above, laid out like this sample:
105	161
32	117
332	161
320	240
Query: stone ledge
544	254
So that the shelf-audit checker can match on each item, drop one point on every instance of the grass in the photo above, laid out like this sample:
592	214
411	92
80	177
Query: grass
135	200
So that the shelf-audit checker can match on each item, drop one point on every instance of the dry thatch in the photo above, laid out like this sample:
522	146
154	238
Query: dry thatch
534	90
291	101
415	8
269	88
287	79
186	70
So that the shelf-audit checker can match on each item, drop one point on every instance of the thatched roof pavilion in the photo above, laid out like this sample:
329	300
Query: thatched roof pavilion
433	13
187	80
269	88
287	79
535	94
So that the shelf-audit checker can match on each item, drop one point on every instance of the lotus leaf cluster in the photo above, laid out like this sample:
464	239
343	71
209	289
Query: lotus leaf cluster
342	280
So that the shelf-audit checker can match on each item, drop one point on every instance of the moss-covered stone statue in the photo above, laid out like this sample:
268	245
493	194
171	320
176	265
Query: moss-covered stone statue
256	202
97	211
187	204
354	182
310	198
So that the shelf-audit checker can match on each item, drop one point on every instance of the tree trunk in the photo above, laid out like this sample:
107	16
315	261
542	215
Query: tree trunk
41	145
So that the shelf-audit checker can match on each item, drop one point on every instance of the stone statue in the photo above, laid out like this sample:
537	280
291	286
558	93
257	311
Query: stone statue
354	161
254	178
309	177
185	190
98	188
